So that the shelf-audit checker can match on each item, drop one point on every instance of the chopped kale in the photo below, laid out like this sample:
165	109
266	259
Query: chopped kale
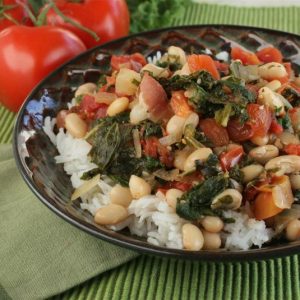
285	121
210	167
151	129
297	196
236	174
197	201
90	174
291	95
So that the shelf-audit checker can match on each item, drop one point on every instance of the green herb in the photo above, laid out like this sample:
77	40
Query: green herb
135	82
285	121
151	129
90	174
189	137
151	14
78	99
291	95
228	220
222	116
197	201
210	167
236	174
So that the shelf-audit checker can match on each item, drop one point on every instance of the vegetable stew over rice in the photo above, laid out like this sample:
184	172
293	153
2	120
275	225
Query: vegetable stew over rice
190	151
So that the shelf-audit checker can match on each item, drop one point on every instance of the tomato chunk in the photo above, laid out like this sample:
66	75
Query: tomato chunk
214	132
260	118
269	54
293	149
179	104
264	206
239	132
276	127
230	158
134	62
197	62
246	57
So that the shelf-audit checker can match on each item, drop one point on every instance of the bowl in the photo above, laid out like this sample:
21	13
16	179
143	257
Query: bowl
34	153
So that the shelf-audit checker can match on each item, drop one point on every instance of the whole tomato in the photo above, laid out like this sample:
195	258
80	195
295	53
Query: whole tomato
12	12
28	54
109	19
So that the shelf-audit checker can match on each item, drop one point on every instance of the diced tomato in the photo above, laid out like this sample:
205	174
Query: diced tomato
102	111
230	158
269	54
134	62
260	118
292	149
222	67
239	132
153	148
88	107
150	146
214	132
264	206
253	88
198	62
179	104
246	57
276	127
183	186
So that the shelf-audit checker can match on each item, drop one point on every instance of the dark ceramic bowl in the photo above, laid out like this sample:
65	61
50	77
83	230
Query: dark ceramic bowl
35	153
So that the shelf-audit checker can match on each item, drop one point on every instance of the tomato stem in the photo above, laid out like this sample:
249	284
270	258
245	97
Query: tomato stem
71	21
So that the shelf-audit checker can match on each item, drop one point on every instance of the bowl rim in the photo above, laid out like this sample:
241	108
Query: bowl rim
122	240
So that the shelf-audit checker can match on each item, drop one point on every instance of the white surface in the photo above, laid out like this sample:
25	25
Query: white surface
252	3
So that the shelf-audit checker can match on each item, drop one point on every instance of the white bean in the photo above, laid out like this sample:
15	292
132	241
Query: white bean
139	187
251	172
295	181
172	195
212	241
192	237
111	214
284	164
293	230
228	199
287	137
175	126
272	70
192	119
262	154
126	82
120	195
75	125
176	54
86	88
118	106
180	157
267	97
212	224
155	70
273	85
200	154
260	140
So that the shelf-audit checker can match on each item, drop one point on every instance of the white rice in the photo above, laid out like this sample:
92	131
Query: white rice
244	232
150	216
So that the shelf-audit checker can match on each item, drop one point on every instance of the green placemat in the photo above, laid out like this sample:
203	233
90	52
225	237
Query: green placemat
158	278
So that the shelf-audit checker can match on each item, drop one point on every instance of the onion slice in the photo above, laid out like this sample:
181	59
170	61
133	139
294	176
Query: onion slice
85	187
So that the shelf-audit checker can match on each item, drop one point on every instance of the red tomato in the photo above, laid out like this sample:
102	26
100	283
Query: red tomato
222	67
269	54
214	132
91	109
134	62
260	118
276	127
15	12
246	57
292	149
239	132
150	146
230	158
102	111
108	19
183	186
203	62
179	104
28	54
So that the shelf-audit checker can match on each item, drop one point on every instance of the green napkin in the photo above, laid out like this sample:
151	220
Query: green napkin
42	255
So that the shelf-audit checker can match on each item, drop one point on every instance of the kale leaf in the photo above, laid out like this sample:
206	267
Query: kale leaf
197	201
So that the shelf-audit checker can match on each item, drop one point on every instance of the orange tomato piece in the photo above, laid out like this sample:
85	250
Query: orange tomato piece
197	62
246	57
179	104
264	206
214	132
292	149
260	118
269	54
